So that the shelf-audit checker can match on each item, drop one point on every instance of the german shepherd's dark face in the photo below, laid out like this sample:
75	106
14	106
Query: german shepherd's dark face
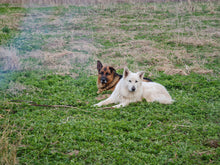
106	74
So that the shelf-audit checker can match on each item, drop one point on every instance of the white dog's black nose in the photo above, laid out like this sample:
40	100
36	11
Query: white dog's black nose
133	89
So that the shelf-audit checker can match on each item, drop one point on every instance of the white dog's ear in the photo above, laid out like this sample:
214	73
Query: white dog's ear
126	72
141	75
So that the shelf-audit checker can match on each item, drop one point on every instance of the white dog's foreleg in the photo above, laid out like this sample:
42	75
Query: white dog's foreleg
109	100
123	104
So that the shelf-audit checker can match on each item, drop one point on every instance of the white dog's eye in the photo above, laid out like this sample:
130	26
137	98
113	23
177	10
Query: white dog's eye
136	81
129	80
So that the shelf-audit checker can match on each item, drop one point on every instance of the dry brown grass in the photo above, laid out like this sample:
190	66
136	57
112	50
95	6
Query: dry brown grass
70	44
16	88
9	60
10	20
195	41
60	62
60	52
8	147
89	2
8	151
142	54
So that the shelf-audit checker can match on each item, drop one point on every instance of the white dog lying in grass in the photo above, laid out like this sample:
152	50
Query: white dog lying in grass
131	88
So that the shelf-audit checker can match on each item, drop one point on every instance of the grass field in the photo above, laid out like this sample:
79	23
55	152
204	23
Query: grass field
48	83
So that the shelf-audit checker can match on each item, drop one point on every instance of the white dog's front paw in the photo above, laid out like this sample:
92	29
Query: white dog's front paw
97	105
117	106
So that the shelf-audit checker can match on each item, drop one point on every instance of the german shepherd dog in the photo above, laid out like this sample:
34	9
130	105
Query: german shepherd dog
108	78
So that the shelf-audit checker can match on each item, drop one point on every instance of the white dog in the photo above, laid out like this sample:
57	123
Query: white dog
131	88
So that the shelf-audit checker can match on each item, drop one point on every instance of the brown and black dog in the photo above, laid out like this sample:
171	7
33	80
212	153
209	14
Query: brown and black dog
108	78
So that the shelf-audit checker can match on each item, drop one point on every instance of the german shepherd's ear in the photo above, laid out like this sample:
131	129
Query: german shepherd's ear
126	72
141	75
99	65
112	69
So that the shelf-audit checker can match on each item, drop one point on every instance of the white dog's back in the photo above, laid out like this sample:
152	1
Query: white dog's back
153	91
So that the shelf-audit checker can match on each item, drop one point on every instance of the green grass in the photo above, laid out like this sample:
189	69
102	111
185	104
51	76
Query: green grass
7	9
47	116
142	132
